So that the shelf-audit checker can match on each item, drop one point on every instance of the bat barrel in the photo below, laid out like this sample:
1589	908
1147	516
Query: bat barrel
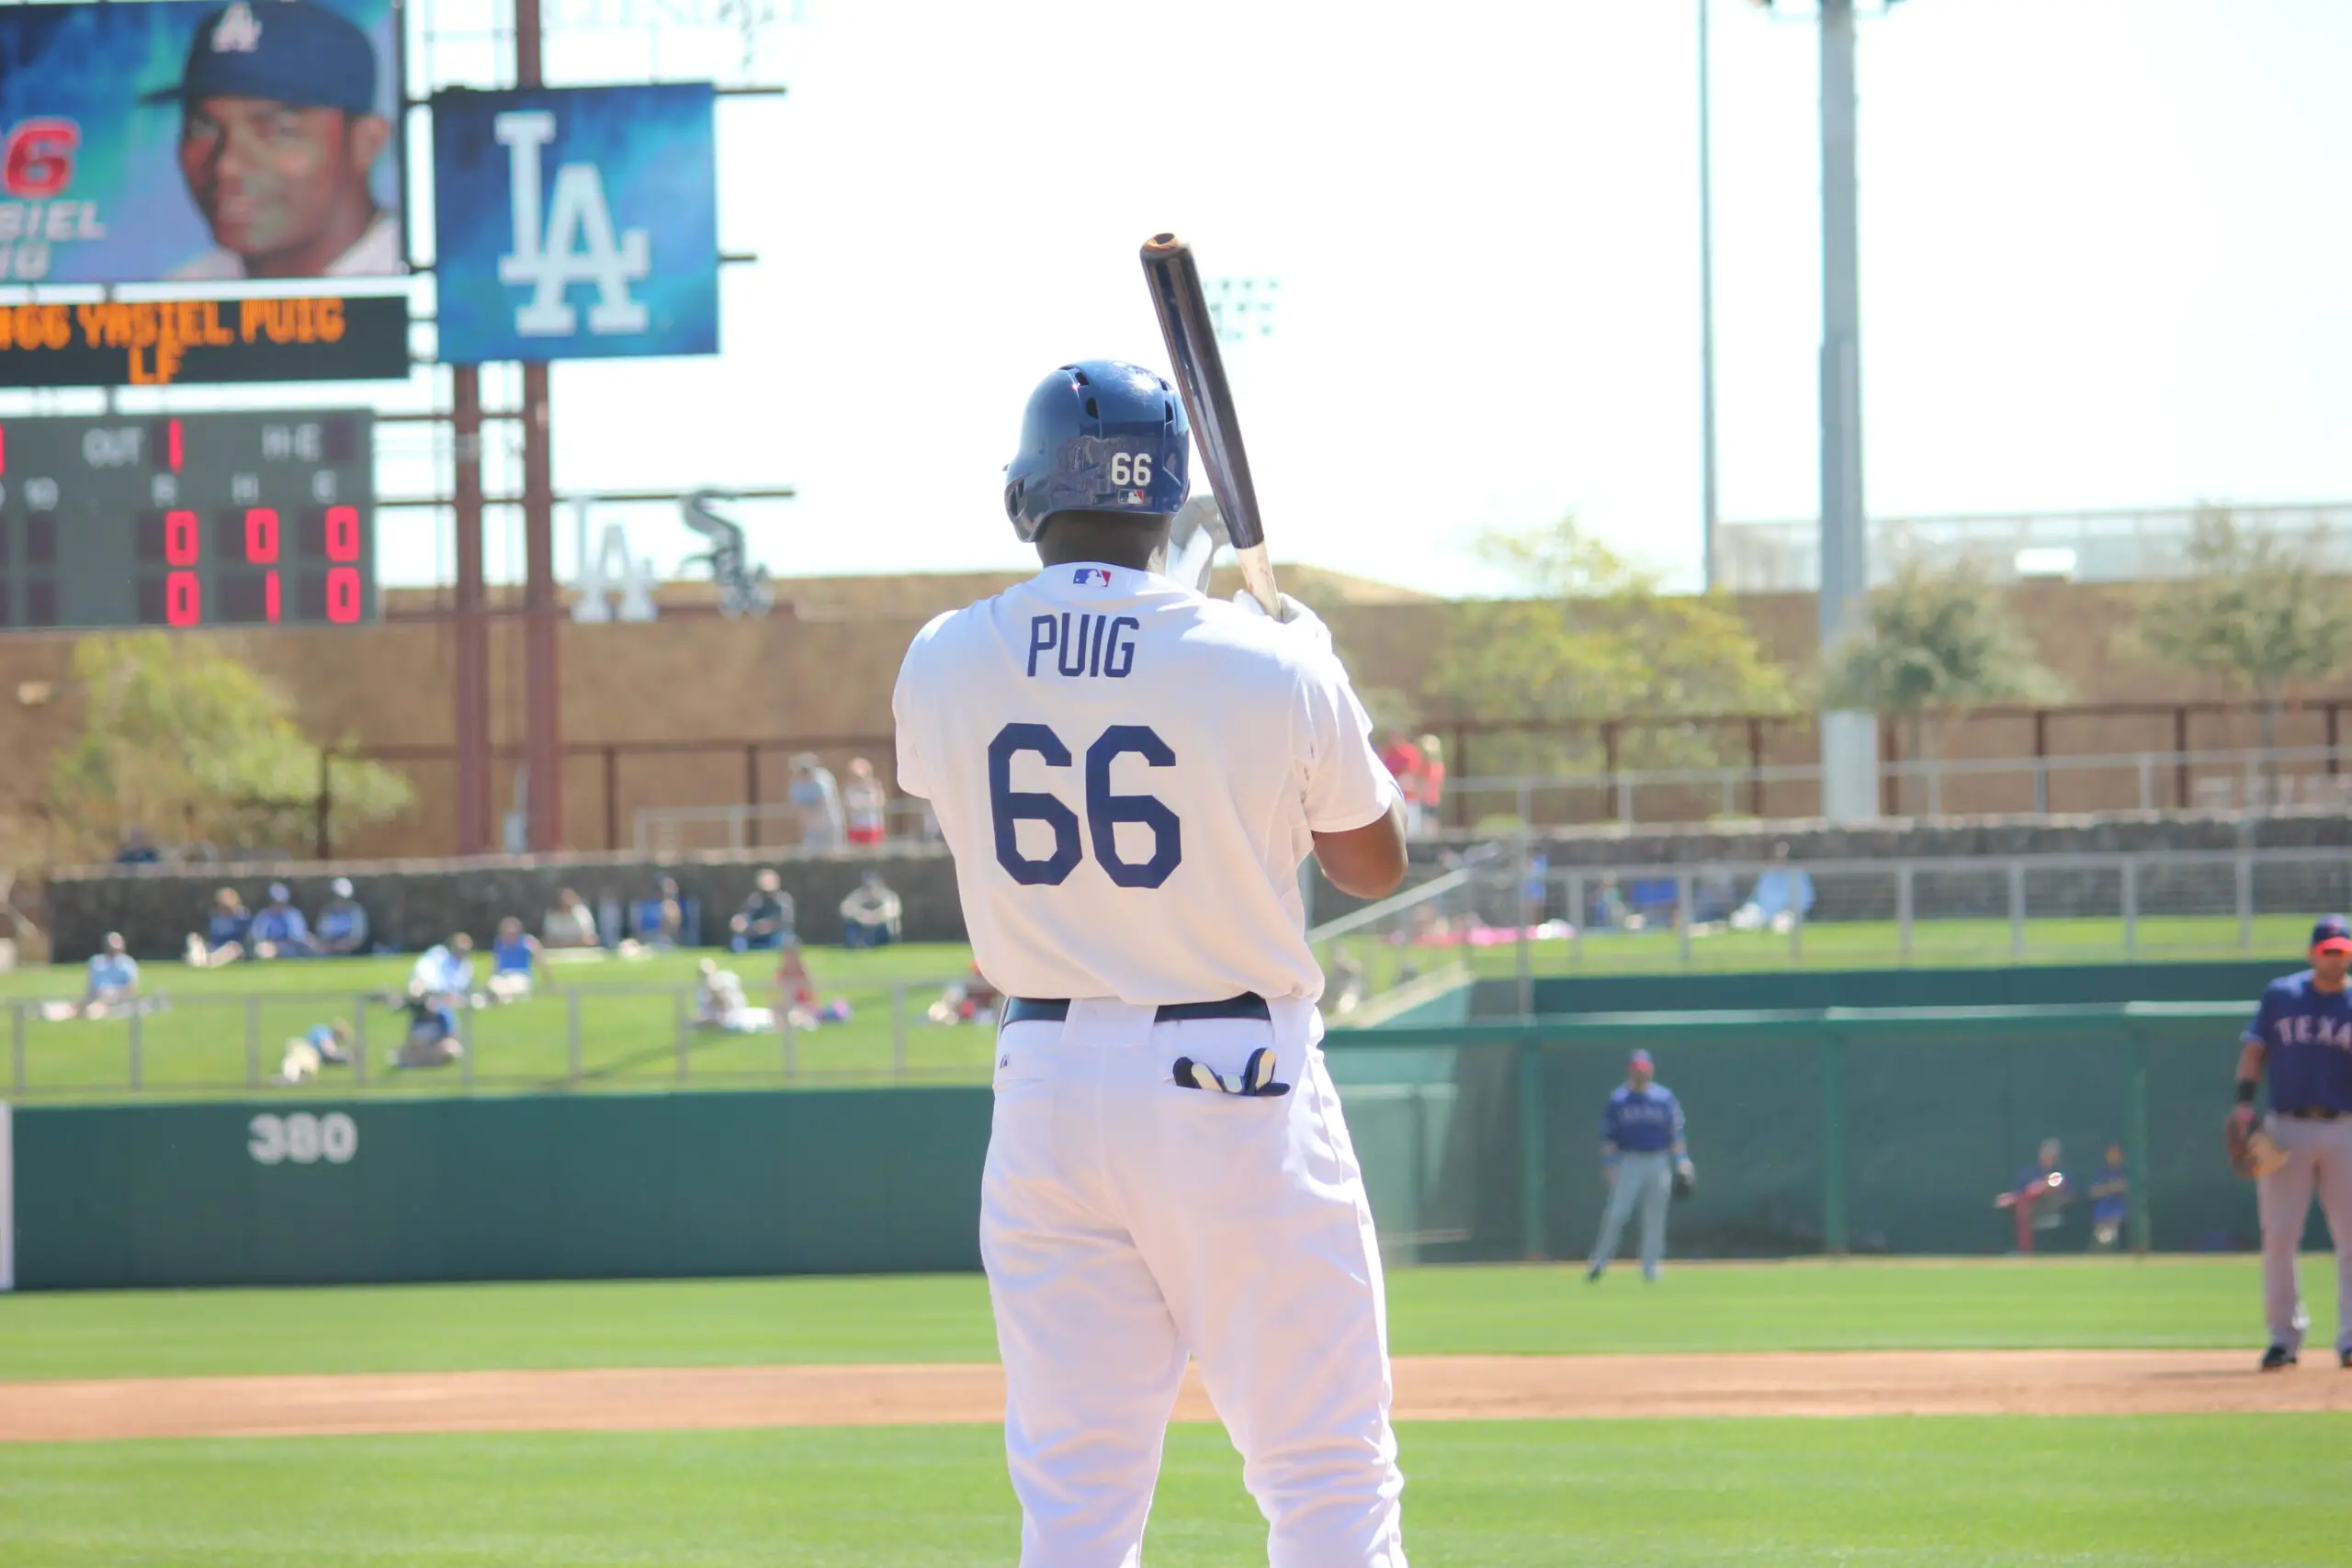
1179	301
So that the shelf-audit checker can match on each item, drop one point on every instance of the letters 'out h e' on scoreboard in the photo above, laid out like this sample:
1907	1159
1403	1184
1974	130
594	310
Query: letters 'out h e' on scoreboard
188	520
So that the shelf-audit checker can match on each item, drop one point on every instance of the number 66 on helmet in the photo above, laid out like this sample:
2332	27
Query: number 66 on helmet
1098	437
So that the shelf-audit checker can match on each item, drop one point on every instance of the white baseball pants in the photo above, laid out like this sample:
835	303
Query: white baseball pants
1126	1224
1647	1179
2319	1158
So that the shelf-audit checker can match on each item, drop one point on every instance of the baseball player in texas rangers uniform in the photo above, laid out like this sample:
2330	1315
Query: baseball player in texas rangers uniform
2303	1034
1129	776
1641	1151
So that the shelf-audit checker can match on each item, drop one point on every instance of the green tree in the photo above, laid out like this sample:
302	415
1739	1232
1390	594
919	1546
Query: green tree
181	738
1941	642
2254	611
1596	637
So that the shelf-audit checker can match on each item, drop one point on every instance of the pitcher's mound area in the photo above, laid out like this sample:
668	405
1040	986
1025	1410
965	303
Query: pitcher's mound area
1432	1388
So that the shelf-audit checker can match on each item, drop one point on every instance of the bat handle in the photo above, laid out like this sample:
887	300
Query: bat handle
1258	577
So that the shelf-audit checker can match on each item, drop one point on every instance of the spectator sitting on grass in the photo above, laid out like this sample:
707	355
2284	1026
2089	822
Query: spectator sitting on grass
138	849
764	923
324	1044
863	806
1783	895
113	988
279	930
870	914
669	914
972	999
570	924
719	1003
1610	912
341	928
512	957
224	940
446	970
796	994
432	1039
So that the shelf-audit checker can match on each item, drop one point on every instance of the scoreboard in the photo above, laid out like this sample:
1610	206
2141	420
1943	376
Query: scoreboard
188	520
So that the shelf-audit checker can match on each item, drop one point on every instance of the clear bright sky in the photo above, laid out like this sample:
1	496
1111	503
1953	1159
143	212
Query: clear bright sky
2106	254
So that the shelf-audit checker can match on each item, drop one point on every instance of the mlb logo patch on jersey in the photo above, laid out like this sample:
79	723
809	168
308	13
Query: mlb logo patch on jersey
1091	577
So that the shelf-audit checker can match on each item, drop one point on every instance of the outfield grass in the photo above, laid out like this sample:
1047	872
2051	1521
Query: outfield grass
224	1029
2230	1491
1508	1309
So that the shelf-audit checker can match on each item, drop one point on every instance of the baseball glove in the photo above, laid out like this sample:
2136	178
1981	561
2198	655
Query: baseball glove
2253	1153
1685	1177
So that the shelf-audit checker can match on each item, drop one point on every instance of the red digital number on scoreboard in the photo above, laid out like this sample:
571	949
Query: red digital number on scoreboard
261	549
183	599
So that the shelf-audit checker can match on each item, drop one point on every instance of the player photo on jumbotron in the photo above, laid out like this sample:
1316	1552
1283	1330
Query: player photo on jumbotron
196	141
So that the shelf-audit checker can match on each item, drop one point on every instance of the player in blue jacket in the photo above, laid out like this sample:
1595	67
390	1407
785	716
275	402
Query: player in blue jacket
1641	1151
2302	1037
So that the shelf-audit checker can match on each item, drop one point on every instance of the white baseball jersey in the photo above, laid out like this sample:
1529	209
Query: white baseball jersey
1129	776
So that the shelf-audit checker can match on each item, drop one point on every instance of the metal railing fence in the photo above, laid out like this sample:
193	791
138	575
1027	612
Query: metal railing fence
1499	912
570	1038
2230	779
1513	915
673	830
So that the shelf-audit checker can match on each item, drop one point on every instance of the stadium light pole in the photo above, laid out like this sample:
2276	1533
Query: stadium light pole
1849	738
1708	514
470	625
542	679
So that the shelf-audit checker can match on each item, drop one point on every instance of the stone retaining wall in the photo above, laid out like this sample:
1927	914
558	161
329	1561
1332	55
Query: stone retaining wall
412	904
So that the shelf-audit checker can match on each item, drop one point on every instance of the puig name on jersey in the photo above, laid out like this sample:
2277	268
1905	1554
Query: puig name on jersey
1095	644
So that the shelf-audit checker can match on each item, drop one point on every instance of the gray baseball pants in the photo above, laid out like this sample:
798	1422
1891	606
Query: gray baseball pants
2319	1158
1647	1179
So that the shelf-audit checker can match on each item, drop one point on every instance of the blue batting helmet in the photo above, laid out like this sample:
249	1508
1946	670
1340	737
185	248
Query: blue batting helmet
1100	436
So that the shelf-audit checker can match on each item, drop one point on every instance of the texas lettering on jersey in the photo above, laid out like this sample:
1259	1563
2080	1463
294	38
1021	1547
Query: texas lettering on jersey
2308	1028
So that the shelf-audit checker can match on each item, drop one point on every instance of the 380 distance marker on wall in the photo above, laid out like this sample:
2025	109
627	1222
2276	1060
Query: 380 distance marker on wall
188	520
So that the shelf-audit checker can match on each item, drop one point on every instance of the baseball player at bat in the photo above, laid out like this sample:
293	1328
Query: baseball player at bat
1129	776
2301	1035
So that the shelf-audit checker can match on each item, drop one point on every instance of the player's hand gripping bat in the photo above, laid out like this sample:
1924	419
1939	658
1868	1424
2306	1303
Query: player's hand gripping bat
1183	312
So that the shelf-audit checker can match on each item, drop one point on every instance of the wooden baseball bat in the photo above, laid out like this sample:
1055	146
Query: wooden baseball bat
1183	312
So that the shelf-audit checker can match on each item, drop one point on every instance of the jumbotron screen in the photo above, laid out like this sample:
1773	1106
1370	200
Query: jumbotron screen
188	520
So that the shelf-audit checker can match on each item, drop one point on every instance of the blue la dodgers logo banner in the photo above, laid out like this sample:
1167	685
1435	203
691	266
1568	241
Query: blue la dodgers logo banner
575	223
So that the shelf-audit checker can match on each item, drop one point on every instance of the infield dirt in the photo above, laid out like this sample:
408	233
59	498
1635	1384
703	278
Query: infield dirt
1428	1388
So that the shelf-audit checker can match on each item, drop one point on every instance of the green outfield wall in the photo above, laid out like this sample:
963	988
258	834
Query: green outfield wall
1839	1129
2024	985
1828	1130
538	1187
